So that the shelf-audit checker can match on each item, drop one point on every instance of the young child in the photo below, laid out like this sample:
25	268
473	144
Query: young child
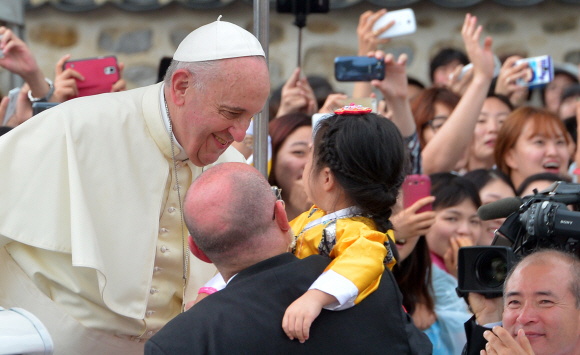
353	176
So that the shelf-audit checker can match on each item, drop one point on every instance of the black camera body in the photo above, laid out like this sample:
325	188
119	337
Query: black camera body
542	221
483	269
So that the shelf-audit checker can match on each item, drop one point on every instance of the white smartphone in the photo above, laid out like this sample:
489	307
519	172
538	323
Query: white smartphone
496	68
540	71
404	23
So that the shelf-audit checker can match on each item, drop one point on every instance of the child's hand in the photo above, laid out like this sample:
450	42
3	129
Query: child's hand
302	312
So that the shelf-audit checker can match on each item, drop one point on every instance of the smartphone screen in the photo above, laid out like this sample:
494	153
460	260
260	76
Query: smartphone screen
358	69
415	187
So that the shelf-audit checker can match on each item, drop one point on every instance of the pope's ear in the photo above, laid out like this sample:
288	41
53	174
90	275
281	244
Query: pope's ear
180	83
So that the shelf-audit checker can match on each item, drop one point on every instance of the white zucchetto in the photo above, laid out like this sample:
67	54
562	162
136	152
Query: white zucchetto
218	40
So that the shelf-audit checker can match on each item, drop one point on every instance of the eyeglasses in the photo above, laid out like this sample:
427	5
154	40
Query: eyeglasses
436	123
278	193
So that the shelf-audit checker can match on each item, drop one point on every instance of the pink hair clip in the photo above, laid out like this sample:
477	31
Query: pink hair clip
353	110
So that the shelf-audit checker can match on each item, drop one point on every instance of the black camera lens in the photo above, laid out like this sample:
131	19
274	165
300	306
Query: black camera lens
491	269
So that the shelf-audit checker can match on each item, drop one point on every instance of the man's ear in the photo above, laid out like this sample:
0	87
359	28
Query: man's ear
281	217
197	252
181	81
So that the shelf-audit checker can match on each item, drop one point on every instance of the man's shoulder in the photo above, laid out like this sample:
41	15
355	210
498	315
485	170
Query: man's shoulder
107	102
255	298
282	272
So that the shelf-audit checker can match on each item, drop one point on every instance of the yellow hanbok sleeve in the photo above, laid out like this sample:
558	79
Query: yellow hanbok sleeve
358	255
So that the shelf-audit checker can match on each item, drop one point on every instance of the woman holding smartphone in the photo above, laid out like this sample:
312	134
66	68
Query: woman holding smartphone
432	302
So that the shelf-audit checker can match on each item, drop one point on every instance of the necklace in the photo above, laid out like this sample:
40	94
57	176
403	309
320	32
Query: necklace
183	244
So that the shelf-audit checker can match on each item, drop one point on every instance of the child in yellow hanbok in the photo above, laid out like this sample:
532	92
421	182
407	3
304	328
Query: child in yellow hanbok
353	176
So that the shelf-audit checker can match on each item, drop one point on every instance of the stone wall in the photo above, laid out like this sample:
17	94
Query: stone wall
141	39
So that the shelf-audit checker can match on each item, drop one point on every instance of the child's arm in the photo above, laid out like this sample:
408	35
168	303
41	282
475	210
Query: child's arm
358	254
302	312
214	285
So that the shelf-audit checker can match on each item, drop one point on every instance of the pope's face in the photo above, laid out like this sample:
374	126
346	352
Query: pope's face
214	116
539	300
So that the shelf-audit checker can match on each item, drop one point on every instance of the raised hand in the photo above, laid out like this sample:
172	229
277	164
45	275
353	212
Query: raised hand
120	85
17	56
368	40
18	59
297	96
65	85
480	56
507	78
333	102
410	224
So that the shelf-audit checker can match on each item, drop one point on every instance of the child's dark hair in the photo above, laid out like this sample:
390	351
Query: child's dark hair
366	154
413	276
451	190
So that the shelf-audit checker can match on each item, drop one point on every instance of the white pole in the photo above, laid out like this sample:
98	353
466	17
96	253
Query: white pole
261	31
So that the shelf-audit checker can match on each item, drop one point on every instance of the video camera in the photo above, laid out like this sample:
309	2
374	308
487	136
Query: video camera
539	221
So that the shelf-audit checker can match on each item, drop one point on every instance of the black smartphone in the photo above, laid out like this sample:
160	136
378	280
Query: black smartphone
38	107
358	69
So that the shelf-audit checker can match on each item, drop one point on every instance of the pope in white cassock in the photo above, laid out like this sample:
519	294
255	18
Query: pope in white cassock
91	234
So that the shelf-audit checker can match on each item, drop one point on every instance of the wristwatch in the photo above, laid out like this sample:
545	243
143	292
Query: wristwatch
46	97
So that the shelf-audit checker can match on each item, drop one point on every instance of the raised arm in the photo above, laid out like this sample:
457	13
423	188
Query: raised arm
18	59
446	147
297	96
395	91
368	41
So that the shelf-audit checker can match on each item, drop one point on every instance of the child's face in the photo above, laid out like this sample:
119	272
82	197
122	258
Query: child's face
456	221
309	180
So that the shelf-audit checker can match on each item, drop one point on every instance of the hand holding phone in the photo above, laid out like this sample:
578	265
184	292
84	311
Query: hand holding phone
540	71
496	68
359	68
408	223
99	74
404	23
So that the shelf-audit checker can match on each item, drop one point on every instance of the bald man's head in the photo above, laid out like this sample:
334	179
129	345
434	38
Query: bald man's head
228	211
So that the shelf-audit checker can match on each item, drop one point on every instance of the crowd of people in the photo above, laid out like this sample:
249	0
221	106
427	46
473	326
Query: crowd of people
97	217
